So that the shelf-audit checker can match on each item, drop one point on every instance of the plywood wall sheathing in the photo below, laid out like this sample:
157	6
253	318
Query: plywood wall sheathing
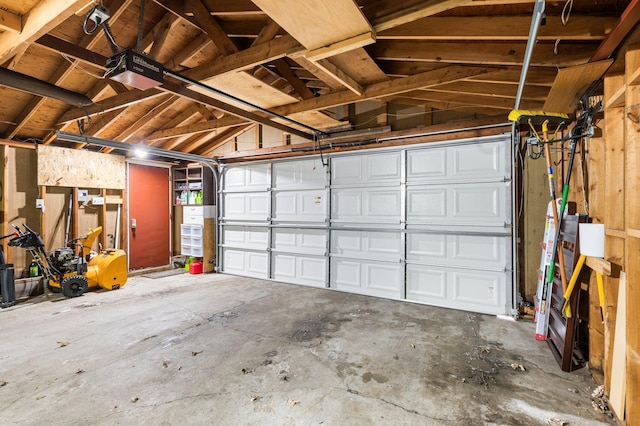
80	169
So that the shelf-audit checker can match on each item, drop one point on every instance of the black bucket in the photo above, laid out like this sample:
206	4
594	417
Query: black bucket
7	285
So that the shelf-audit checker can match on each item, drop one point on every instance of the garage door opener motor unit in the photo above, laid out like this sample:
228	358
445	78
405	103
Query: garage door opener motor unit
135	69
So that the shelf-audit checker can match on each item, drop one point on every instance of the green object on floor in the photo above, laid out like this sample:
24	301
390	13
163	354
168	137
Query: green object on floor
188	262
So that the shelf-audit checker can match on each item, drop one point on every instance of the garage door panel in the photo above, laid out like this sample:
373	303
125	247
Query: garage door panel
427	164
298	174
476	250
246	206
366	169
372	278
477	287
300	206
479	204
366	205
367	244
425	284
247	263
425	247
426	204
346	204
346	274
254	177
479	161
470	251
296	269
311	241
255	238
383	167
383	205
485	161
476	291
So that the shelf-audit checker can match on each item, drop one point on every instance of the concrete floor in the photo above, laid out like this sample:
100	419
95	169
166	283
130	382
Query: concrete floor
218	349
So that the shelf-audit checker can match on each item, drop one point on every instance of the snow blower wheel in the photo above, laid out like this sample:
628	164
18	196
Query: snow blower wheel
74	286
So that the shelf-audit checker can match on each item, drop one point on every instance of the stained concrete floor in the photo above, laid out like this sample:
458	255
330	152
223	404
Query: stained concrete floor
218	349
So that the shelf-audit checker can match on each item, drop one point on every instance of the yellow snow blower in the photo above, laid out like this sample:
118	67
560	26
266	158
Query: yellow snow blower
73	270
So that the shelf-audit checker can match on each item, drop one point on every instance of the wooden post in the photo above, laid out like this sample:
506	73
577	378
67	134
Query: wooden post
74	215
258	128
383	119
595	177
103	218
632	228
613	203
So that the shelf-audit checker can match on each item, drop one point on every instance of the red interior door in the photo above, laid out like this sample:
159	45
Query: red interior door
149	227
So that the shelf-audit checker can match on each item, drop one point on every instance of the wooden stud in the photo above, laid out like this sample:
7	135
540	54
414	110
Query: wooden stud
258	129
103	218
632	243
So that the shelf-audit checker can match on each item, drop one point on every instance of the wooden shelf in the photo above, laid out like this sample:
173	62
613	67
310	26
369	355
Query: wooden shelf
192	179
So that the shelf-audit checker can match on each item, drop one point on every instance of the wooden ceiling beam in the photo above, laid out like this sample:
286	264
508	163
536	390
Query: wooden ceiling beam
628	20
318	72
211	27
131	97
158	35
181	119
204	112
385	88
267	33
167	102
500	28
221	139
538	93
413	13
247	59
188	144
169	132
10	21
45	15
338	75
475	100
288	74
377	90
244	8
201	41
483	53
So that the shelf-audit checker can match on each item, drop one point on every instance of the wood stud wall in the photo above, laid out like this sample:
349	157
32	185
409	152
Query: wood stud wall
613	191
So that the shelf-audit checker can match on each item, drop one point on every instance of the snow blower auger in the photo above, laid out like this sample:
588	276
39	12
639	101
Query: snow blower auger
71	272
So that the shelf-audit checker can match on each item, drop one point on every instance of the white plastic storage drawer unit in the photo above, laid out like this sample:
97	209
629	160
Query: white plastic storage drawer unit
191	240
193	215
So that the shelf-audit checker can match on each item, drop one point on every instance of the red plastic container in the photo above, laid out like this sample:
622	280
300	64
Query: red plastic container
195	267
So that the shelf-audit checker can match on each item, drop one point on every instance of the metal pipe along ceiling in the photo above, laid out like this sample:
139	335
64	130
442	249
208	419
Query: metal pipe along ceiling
25	83
536	20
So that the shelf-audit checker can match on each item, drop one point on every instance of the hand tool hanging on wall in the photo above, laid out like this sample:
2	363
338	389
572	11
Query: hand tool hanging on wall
552	191
543	119
582	129
69	212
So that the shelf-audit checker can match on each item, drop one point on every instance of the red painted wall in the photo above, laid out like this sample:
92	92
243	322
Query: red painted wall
149	205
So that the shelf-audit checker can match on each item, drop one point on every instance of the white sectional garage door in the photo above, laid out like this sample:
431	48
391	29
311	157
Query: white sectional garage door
428	224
